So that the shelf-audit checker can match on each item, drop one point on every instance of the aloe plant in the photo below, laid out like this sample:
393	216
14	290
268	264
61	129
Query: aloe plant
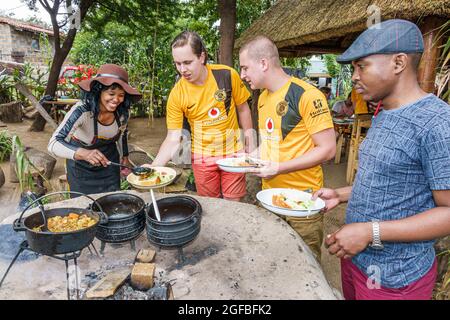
24	166
5	145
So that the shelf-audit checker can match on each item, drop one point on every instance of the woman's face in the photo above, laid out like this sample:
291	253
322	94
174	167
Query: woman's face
187	63
110	99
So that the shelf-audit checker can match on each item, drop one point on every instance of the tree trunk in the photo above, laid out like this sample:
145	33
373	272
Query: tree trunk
227	11
11	112
61	53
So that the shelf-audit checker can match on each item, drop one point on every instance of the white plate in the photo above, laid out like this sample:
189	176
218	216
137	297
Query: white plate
229	165
265	198
134	179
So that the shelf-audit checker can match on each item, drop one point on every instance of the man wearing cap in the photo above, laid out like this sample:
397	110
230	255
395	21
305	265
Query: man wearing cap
94	132
400	200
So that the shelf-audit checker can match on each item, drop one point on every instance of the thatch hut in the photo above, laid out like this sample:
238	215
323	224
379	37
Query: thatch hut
303	27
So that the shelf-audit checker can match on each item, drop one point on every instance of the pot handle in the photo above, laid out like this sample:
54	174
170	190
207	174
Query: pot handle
103	217
18	225
59	192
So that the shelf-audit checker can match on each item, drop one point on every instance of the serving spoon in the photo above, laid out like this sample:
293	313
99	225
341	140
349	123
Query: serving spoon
139	171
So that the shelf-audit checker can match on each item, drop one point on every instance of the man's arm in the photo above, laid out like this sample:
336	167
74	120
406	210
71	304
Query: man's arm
430	224
168	147
245	120
324	149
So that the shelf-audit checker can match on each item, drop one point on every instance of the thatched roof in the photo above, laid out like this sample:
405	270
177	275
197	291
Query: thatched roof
300	27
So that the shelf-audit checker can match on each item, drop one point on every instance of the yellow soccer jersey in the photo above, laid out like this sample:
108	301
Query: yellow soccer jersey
287	119
210	110
360	104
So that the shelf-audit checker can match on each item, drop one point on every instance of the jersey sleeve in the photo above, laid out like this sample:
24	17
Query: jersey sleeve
313	108
174	111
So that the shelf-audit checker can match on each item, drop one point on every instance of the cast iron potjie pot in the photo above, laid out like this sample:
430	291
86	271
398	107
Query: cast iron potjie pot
52	243
126	217
180	222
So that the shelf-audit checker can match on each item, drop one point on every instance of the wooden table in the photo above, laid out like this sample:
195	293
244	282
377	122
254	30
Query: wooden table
343	126
58	106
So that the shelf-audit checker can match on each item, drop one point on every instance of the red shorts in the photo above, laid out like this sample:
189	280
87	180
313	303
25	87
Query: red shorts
355	285
212	182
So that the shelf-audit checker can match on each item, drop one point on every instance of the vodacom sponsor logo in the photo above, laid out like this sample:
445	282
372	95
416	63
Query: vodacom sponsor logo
214	112
270	125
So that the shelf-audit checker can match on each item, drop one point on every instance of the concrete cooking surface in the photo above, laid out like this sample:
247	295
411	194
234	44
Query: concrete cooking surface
242	252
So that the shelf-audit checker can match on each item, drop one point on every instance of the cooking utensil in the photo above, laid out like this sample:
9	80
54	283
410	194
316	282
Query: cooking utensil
53	243
181	220
139	171
155	205
126	217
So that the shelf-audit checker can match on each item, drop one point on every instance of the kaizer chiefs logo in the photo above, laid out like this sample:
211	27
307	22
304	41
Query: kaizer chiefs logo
220	95
282	108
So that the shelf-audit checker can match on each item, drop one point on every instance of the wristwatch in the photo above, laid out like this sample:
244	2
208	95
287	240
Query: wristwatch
376	239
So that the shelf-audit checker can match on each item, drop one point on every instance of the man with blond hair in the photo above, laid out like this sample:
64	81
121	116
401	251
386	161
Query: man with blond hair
296	131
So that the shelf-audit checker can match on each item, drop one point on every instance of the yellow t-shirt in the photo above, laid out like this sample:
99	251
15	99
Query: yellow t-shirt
210	110
287	119
360	104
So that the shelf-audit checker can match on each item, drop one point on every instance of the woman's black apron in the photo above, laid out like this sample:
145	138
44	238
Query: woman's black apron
84	177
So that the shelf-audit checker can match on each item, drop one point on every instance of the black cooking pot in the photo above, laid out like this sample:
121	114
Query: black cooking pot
126	217
180	221
52	243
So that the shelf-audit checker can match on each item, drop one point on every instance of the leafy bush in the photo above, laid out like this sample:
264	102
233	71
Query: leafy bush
5	145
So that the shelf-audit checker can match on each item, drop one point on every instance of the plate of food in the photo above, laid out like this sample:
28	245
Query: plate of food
289	202
239	164
161	177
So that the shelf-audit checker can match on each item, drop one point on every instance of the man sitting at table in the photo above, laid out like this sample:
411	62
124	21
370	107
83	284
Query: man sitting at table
343	108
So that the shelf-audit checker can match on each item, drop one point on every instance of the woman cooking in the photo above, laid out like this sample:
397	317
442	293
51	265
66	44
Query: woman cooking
94	132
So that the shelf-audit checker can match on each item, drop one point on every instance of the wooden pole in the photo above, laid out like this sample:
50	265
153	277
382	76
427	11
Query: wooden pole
429	62
27	93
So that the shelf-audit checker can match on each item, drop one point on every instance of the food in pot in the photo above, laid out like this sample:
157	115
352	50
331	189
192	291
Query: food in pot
282	201
71	222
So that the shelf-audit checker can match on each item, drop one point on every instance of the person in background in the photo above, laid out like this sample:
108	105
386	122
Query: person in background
94	132
343	108
400	200
327	92
213	101
296	131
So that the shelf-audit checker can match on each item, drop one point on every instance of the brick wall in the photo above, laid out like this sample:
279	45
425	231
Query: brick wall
22	41
5	42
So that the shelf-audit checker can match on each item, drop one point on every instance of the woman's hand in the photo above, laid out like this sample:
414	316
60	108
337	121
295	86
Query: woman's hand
330	196
94	157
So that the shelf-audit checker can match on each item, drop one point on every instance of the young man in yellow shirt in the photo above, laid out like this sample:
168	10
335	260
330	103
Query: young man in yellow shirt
211	98
295	127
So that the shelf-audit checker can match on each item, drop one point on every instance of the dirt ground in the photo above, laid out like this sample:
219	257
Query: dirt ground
149	137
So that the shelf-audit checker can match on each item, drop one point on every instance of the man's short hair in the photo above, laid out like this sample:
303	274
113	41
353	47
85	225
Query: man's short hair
415	60
261	47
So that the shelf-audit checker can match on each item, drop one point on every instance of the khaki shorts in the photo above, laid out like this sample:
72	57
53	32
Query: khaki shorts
310	229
